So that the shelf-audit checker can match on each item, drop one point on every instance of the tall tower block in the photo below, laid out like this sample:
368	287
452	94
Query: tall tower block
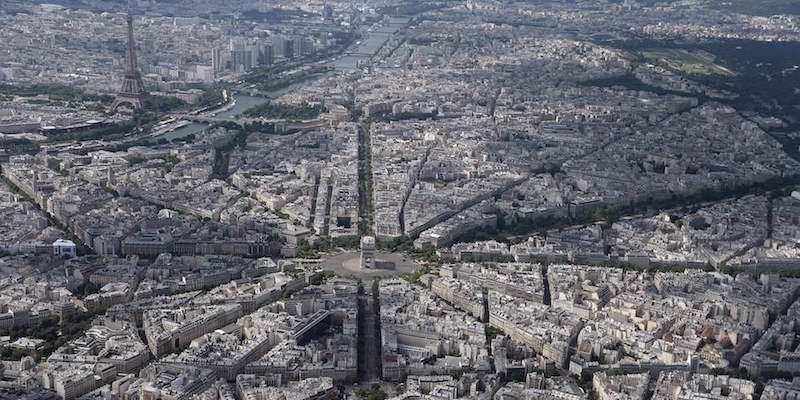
132	92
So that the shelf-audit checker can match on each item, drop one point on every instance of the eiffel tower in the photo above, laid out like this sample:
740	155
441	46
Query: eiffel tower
132	92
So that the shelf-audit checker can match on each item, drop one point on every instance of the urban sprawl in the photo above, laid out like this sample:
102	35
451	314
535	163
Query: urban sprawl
325	199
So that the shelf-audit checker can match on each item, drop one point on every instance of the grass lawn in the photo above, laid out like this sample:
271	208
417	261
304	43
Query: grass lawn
686	62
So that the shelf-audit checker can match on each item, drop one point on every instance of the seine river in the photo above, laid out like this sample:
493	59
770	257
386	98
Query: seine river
366	49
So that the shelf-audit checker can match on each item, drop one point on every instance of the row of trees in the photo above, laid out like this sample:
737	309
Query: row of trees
54	334
270	79
111	131
773	188
271	110
365	178
164	104
211	97
19	146
54	92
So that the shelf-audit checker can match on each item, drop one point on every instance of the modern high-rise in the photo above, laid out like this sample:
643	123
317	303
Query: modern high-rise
266	54
217	63
327	12
242	59
282	47
302	46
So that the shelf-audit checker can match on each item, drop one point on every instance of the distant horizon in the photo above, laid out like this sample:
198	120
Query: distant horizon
415	200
